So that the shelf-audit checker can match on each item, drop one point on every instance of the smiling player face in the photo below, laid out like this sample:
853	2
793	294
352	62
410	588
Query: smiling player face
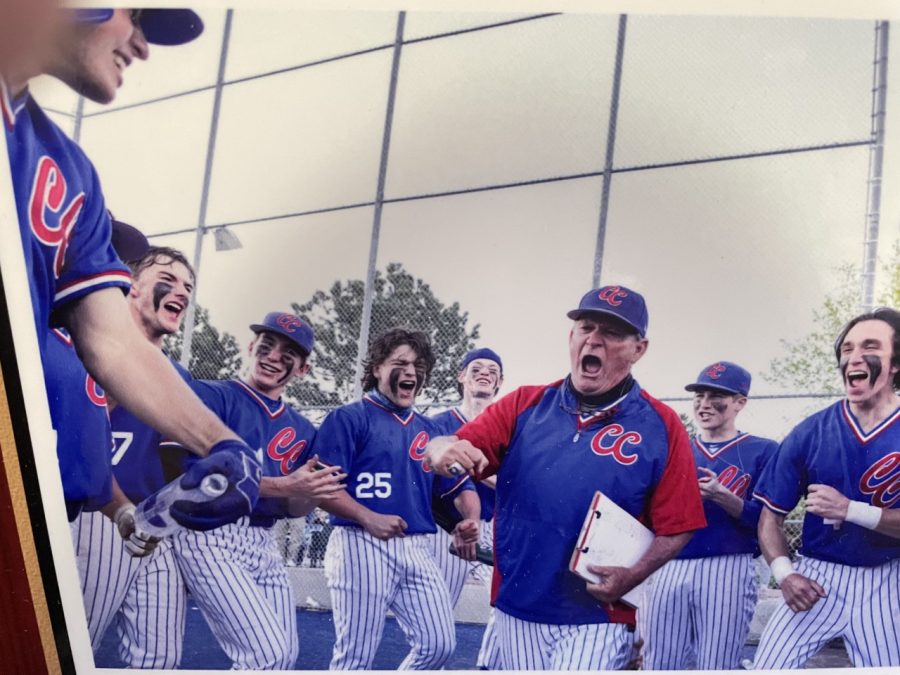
274	361
159	297
602	350
715	410
401	376
481	379
865	362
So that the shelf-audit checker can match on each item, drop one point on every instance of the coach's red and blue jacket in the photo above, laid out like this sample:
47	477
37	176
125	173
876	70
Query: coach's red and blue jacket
550	460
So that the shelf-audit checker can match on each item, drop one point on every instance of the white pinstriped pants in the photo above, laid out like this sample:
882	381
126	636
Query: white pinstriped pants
698	607
860	606
525	645
367	577
145	596
237	577
455	571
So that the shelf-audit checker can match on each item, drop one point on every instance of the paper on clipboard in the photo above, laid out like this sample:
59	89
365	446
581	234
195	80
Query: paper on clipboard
610	536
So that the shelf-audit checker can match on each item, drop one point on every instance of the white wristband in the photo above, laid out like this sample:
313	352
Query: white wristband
864	515
781	567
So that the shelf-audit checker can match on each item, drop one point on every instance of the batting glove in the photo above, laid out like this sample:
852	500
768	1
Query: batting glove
238	464
137	543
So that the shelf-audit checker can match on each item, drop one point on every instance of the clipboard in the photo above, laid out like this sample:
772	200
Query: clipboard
610	536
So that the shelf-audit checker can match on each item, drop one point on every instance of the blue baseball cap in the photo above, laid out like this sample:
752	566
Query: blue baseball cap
291	326
617	301
723	376
483	353
160	26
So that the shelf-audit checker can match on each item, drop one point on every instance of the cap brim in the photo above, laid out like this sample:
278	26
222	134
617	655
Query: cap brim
576	314
259	328
170	27
697	386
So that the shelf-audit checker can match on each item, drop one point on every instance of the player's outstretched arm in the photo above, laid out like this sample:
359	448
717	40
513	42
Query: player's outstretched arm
617	581
378	525
137	374
800	593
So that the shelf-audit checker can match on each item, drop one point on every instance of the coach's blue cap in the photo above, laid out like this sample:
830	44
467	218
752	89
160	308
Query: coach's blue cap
291	326
618	301
483	353
724	376
159	26
128	241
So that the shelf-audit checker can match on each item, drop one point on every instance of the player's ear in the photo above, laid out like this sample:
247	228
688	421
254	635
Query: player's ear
640	349
739	403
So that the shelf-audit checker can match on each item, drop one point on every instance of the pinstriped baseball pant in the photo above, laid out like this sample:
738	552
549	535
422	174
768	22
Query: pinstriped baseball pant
860	606
455	571
526	645
698	607
366	578
145	596
236	575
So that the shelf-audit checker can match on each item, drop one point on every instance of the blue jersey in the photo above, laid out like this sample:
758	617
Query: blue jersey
63	220
382	452
738	464
448	423
281	434
830	448
551	461
135	460
79	415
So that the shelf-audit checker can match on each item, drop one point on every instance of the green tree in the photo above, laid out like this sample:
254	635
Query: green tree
808	364
215	355
399	299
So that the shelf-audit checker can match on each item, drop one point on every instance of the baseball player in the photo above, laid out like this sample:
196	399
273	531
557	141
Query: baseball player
236	573
76	280
479	380
379	554
700	604
845	460
552	447
146	595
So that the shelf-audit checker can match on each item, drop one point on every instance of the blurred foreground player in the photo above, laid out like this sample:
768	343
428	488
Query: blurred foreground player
76	280
846	459
552	447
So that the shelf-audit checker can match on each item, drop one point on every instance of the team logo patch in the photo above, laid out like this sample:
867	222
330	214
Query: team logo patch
417	449
284	450
715	372
732	479
611	441
611	295
95	392
52	220
882	481
289	322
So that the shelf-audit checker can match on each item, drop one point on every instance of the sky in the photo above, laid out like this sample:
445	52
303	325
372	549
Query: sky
732	257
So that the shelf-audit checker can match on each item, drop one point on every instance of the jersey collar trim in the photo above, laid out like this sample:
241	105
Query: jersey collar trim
861	436
403	420
9	109
262	401
712	454
459	415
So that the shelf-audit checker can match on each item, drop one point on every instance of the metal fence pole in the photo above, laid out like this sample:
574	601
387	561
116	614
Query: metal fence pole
204	197
362	346
79	116
876	160
610	149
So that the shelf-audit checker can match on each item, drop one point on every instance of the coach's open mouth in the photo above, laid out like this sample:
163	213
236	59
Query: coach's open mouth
591	364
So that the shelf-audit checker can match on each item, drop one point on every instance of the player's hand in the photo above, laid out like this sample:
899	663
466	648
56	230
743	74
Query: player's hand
614	583
137	543
384	527
451	457
825	501
309	483
709	484
465	537
237	463
801	593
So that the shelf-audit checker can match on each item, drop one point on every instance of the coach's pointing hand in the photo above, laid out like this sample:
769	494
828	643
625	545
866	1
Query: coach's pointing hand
451	457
